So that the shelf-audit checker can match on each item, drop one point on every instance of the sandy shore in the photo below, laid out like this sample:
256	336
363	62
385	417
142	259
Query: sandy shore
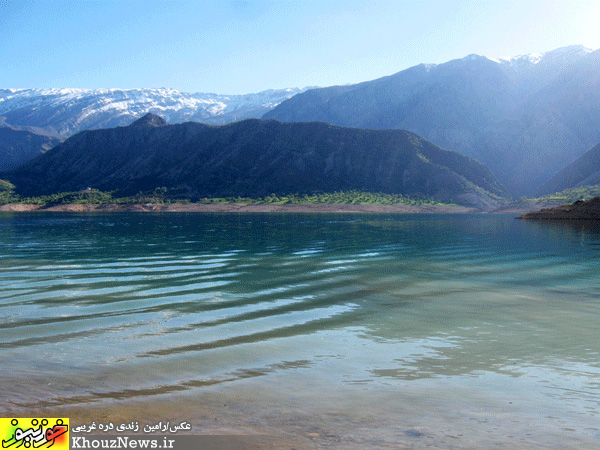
241	208
236	431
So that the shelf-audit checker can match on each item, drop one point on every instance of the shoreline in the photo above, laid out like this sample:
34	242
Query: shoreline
578	210
240	208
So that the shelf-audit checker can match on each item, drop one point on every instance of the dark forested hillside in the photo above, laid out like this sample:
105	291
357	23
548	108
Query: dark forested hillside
256	158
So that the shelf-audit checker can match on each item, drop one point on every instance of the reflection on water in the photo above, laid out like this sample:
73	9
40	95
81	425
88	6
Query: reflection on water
360	325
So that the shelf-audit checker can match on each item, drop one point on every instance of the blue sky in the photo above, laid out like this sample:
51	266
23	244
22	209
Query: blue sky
239	46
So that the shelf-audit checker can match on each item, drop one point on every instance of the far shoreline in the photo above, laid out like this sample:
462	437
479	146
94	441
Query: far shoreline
239	208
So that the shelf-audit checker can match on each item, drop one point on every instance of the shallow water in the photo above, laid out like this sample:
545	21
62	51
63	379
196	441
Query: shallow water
354	331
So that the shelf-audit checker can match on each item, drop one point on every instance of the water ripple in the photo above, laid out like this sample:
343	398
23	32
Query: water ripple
122	307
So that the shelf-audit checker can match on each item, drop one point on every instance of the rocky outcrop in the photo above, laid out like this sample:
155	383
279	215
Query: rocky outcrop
150	120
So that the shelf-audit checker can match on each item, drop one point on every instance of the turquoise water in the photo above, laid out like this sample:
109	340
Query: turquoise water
358	331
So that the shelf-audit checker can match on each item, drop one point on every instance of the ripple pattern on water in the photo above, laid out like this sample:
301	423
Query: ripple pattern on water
128	306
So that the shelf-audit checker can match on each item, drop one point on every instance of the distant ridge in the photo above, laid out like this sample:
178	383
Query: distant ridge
20	146
68	111
255	158
584	171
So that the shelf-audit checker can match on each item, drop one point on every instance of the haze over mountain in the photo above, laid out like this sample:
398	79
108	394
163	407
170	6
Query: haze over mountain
19	146
584	171
256	158
525	117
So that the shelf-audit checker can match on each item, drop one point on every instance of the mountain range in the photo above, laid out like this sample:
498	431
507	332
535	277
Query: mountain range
524	117
256	158
64	112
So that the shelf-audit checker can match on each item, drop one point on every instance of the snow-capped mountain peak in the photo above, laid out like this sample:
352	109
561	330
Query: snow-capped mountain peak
568	53
67	111
530	58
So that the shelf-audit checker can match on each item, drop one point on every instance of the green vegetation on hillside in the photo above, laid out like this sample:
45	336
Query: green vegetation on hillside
6	192
352	197
6	186
88	196
568	195
161	196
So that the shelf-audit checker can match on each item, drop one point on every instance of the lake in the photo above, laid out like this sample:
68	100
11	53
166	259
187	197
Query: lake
335	331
